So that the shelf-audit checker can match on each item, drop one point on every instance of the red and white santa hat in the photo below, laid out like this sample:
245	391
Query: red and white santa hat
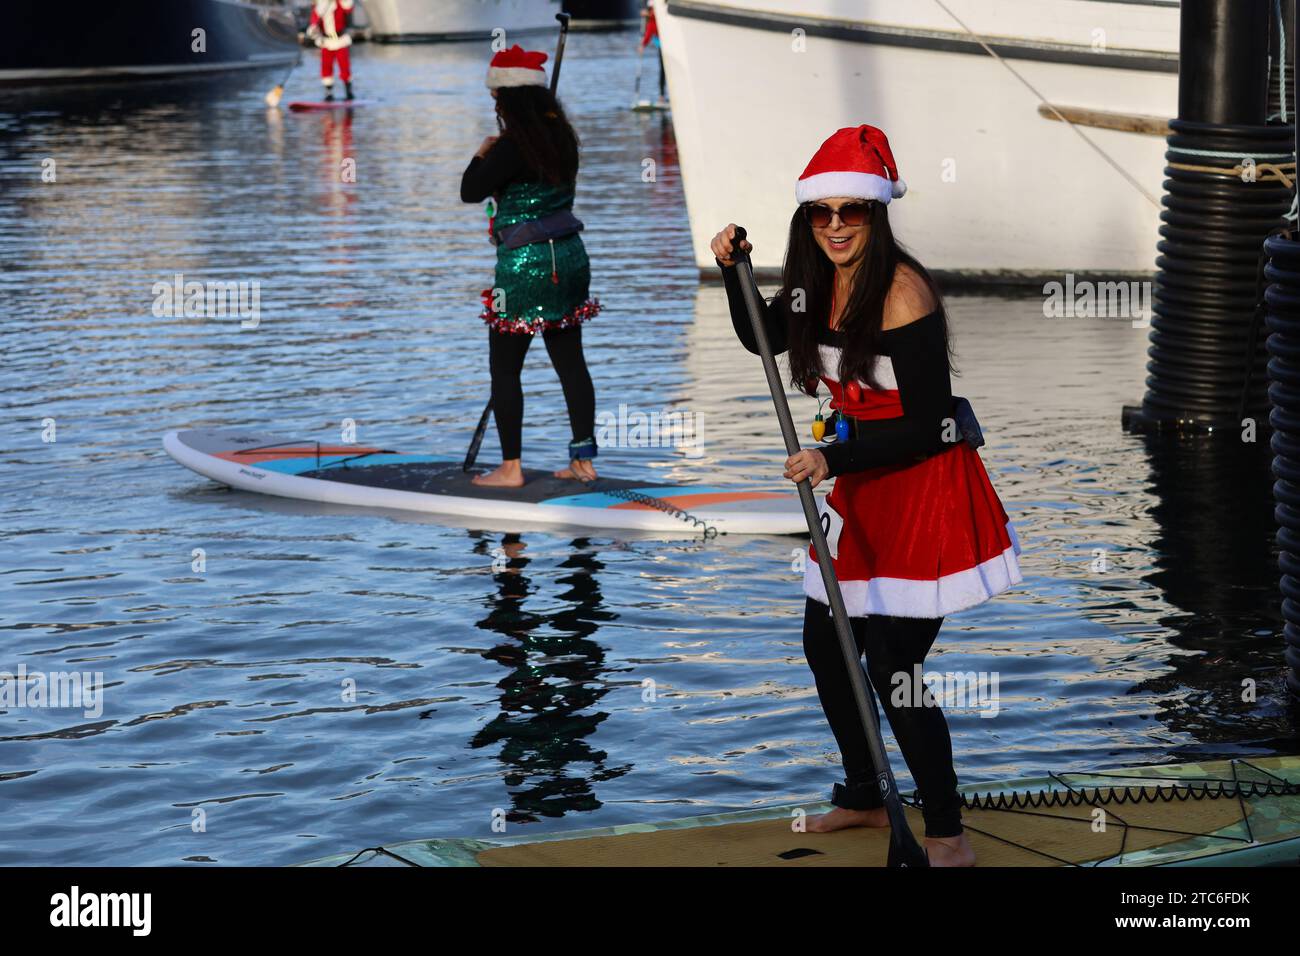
516	67
856	162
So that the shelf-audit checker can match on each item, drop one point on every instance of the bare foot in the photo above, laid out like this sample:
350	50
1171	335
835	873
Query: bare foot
508	474
842	819
580	468
950	851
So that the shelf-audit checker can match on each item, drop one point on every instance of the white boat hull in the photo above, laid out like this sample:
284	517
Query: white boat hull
427	20
994	189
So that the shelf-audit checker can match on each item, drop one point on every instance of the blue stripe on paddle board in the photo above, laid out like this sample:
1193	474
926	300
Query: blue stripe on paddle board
296	466
599	499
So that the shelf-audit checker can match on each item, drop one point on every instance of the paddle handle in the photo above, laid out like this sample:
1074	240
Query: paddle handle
902	835
559	51
755	307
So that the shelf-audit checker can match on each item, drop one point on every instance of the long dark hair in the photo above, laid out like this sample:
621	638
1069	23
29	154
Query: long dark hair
534	120
806	268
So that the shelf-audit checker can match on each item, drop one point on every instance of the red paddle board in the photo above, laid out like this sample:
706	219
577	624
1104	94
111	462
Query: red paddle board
299	106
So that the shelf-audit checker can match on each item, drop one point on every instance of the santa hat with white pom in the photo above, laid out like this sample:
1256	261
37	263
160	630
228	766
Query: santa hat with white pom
516	67
855	162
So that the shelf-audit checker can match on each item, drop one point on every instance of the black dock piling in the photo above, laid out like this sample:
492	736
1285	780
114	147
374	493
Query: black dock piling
1228	188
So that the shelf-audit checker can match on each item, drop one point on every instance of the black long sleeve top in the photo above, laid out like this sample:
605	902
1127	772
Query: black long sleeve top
919	354
489	175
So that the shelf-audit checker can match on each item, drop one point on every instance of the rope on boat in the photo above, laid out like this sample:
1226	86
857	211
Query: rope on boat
1283	173
1115	164
1057	114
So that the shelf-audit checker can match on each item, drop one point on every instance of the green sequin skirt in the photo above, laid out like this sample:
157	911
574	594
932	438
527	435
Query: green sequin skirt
540	286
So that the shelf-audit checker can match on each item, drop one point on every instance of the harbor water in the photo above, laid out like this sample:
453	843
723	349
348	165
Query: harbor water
284	681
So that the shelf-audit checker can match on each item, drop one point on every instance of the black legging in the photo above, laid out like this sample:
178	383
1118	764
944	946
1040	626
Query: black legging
506	351
892	645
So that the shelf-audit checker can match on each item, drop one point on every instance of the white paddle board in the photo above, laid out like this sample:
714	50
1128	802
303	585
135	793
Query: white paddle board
382	478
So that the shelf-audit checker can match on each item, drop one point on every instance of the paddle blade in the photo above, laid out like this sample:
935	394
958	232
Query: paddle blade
903	848
907	852
273	98
477	440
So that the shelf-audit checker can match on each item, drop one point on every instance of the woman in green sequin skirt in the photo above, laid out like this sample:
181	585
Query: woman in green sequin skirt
541	286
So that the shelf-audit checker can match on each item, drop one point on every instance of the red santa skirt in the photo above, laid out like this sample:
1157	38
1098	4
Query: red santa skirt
918	540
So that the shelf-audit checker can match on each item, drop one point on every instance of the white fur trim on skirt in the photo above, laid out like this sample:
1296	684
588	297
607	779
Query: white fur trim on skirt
902	597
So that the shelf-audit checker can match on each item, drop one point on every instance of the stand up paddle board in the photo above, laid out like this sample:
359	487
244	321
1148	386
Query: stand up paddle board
383	478
649	106
300	106
1243	812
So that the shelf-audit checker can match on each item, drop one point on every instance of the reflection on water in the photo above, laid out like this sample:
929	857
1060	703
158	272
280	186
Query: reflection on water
1213	522
331	678
551	696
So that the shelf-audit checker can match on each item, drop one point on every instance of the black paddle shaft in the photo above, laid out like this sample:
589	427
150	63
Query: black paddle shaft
559	50
903	848
477	441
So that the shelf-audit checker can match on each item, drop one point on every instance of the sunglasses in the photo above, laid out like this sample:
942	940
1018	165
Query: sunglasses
851	213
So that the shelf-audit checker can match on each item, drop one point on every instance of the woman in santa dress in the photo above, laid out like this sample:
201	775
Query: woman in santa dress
916	531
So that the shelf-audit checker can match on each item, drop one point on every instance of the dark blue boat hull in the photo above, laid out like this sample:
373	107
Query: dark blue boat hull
86	41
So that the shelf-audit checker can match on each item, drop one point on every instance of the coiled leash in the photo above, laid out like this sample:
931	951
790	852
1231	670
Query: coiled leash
586	448
667	507
1141	790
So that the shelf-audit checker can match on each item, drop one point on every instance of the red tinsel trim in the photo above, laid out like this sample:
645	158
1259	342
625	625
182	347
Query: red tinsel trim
519	325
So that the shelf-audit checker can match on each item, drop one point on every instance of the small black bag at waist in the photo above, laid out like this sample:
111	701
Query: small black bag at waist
962	413
557	225
967	423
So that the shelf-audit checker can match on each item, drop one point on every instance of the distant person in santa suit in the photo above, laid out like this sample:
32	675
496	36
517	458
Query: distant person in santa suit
330	20
651	35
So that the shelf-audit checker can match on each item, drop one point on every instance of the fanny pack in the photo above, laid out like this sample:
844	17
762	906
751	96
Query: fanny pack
967	424
962	414
557	225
